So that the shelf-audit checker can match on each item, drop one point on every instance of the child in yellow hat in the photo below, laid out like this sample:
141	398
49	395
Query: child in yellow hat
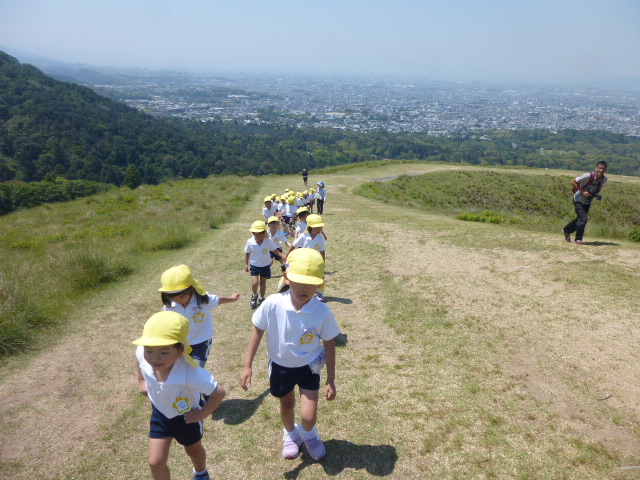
269	208
258	260
279	238
174	383
300	340
183	294
313	238
289	214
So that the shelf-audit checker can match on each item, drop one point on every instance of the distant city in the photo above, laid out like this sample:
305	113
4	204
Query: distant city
437	108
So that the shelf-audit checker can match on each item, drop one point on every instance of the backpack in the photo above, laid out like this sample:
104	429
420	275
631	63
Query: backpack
592	176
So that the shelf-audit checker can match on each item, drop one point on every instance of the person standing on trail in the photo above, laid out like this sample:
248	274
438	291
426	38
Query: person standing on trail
301	334
321	197
586	187
258	261
305	176
183	294
175	384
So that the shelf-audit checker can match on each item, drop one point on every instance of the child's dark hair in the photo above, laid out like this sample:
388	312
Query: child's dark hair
200	299
602	162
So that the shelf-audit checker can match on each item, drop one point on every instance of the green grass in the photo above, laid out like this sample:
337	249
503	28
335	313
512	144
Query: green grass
536	202
56	252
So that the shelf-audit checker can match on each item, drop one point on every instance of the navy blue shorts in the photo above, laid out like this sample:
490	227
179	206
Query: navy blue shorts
287	220
185	433
200	352
273	256
284	379
264	272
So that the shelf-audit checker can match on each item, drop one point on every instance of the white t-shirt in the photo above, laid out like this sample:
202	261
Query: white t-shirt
322	193
259	254
279	238
290	211
305	241
294	338
182	389
301	228
269	212
200	317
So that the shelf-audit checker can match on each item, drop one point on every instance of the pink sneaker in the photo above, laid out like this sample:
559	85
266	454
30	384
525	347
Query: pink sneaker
567	237
291	448
579	242
313	444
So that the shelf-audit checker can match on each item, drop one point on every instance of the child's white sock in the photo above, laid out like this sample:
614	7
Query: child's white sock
306	435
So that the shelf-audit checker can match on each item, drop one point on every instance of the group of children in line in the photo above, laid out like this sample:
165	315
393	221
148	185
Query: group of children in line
176	343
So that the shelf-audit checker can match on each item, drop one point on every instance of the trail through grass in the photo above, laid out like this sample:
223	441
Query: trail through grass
475	351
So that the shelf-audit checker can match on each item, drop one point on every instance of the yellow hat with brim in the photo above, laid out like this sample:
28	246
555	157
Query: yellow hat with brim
277	199
167	328
314	220
273	219
179	278
291	200
258	226
305	265
313	190
267	199
302	210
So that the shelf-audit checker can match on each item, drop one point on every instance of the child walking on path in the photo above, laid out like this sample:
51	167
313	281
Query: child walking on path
174	383
300	339
586	187
183	294
279	238
313	238
258	260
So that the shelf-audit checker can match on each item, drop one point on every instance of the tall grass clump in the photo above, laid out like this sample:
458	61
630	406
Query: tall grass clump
57	252
537	202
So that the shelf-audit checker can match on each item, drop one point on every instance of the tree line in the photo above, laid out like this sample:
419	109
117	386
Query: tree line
52	129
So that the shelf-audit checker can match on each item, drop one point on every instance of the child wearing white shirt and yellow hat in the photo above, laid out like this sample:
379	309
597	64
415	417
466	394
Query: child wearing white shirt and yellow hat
174	383
300	341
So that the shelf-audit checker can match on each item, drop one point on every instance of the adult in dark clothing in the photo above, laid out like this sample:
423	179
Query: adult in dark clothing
587	187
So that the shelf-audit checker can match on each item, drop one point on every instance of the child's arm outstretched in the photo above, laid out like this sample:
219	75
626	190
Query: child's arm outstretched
254	343
197	414
330	361
230	299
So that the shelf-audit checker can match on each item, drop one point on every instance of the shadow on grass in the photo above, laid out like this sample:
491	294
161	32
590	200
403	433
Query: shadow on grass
379	460
345	301
601	244
238	410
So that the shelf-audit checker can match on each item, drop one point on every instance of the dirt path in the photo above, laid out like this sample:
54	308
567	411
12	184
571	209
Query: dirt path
571	349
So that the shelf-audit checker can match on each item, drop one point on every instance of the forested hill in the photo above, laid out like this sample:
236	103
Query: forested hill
51	129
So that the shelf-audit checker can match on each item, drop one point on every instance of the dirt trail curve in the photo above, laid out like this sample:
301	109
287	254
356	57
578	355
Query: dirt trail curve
568	348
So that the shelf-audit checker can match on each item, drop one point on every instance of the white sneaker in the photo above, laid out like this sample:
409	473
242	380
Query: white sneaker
292	442
313	444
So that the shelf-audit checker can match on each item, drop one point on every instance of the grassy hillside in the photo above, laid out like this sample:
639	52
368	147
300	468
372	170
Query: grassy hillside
57	253
538	202
471	354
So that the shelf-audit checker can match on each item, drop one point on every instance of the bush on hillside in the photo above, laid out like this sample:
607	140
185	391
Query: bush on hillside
634	234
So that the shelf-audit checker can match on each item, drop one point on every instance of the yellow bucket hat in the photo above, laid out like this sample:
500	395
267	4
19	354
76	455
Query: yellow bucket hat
303	210
258	226
273	219
179	278
305	265
267	199
314	220
167	328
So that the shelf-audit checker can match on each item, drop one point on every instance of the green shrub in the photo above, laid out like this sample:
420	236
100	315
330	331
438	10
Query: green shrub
487	216
634	234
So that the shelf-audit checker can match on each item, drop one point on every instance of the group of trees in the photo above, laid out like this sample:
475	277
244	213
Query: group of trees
52	128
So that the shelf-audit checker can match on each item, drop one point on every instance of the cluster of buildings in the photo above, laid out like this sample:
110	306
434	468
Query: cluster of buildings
438	108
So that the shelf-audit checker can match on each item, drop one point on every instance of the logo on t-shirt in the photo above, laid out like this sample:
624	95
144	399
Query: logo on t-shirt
307	338
317	247
181	405
198	317
265	251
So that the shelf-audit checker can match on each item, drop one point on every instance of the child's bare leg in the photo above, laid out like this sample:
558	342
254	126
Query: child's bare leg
158	456
287	410
254	284
198	456
308	408
263	286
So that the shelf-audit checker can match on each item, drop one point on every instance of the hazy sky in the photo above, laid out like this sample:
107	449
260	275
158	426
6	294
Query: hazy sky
444	39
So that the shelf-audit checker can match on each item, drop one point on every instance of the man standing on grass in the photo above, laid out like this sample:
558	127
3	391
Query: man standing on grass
586	187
